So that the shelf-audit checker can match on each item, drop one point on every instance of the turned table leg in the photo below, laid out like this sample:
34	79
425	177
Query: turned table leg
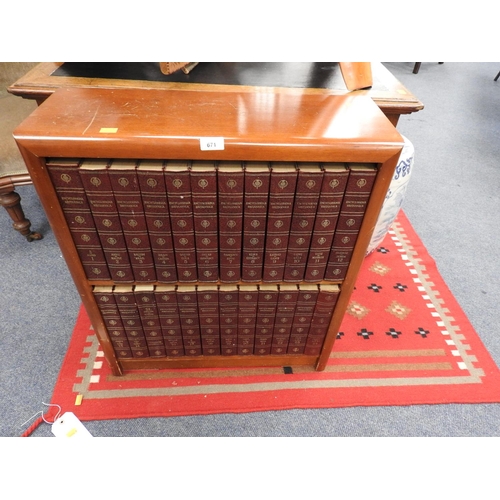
12	203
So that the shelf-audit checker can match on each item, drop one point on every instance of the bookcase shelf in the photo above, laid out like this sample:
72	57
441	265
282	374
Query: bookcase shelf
131	178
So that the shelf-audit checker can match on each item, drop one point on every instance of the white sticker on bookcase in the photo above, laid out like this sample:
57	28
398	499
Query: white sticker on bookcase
211	143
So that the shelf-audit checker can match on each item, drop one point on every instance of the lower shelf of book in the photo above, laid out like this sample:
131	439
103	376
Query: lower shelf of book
175	322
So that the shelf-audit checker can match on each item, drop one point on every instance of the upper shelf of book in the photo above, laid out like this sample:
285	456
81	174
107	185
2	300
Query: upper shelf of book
264	126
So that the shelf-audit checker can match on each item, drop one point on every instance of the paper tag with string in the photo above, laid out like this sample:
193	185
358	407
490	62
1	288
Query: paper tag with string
68	425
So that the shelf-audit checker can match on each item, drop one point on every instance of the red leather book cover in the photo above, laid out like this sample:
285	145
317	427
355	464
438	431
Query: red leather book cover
285	311
309	183
129	313
63	173
154	199
247	302
187	301
329	204
231	181
257	178
178	184
228	318
357	195
125	185
168	314
323	311
266	314
208	310
204	197
106	303
71	194
95	180
148	312
306	302
281	199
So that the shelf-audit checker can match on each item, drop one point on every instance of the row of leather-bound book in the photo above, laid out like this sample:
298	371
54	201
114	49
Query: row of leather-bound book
172	221
194	320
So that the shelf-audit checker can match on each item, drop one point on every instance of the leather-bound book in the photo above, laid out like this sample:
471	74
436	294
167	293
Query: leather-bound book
129	313
357	195
266	314
204	198
187	301
279	218
257	178
285	312
304	310
231	182
247	302
95	179
178	185
125	185
154	199
228	318
330	200
148	312
208	311
309	183
323	311
71	193
106	303
168	314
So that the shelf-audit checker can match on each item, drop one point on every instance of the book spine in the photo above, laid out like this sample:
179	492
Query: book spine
76	209
330	200
228	319
230	180
357	194
154	199
323	311
148	313
129	314
306	302
189	320
208	310
95	179
125	185
304	214
257	178
266	314
204	199
247	302
168	313
177	182
285	310
106	303
281	199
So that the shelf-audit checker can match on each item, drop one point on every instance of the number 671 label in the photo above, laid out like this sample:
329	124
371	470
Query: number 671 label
211	143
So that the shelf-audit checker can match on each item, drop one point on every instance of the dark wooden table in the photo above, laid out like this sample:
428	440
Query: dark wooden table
310	78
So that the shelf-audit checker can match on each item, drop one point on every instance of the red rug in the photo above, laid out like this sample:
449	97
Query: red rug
404	341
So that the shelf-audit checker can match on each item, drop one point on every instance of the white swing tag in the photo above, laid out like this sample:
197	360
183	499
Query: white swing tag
68	425
212	143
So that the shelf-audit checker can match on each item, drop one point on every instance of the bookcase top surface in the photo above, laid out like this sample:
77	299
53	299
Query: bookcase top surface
262	126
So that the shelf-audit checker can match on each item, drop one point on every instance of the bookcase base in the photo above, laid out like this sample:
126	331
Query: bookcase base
217	362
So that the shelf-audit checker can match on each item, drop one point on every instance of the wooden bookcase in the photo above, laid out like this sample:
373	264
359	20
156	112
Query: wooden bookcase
262	126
